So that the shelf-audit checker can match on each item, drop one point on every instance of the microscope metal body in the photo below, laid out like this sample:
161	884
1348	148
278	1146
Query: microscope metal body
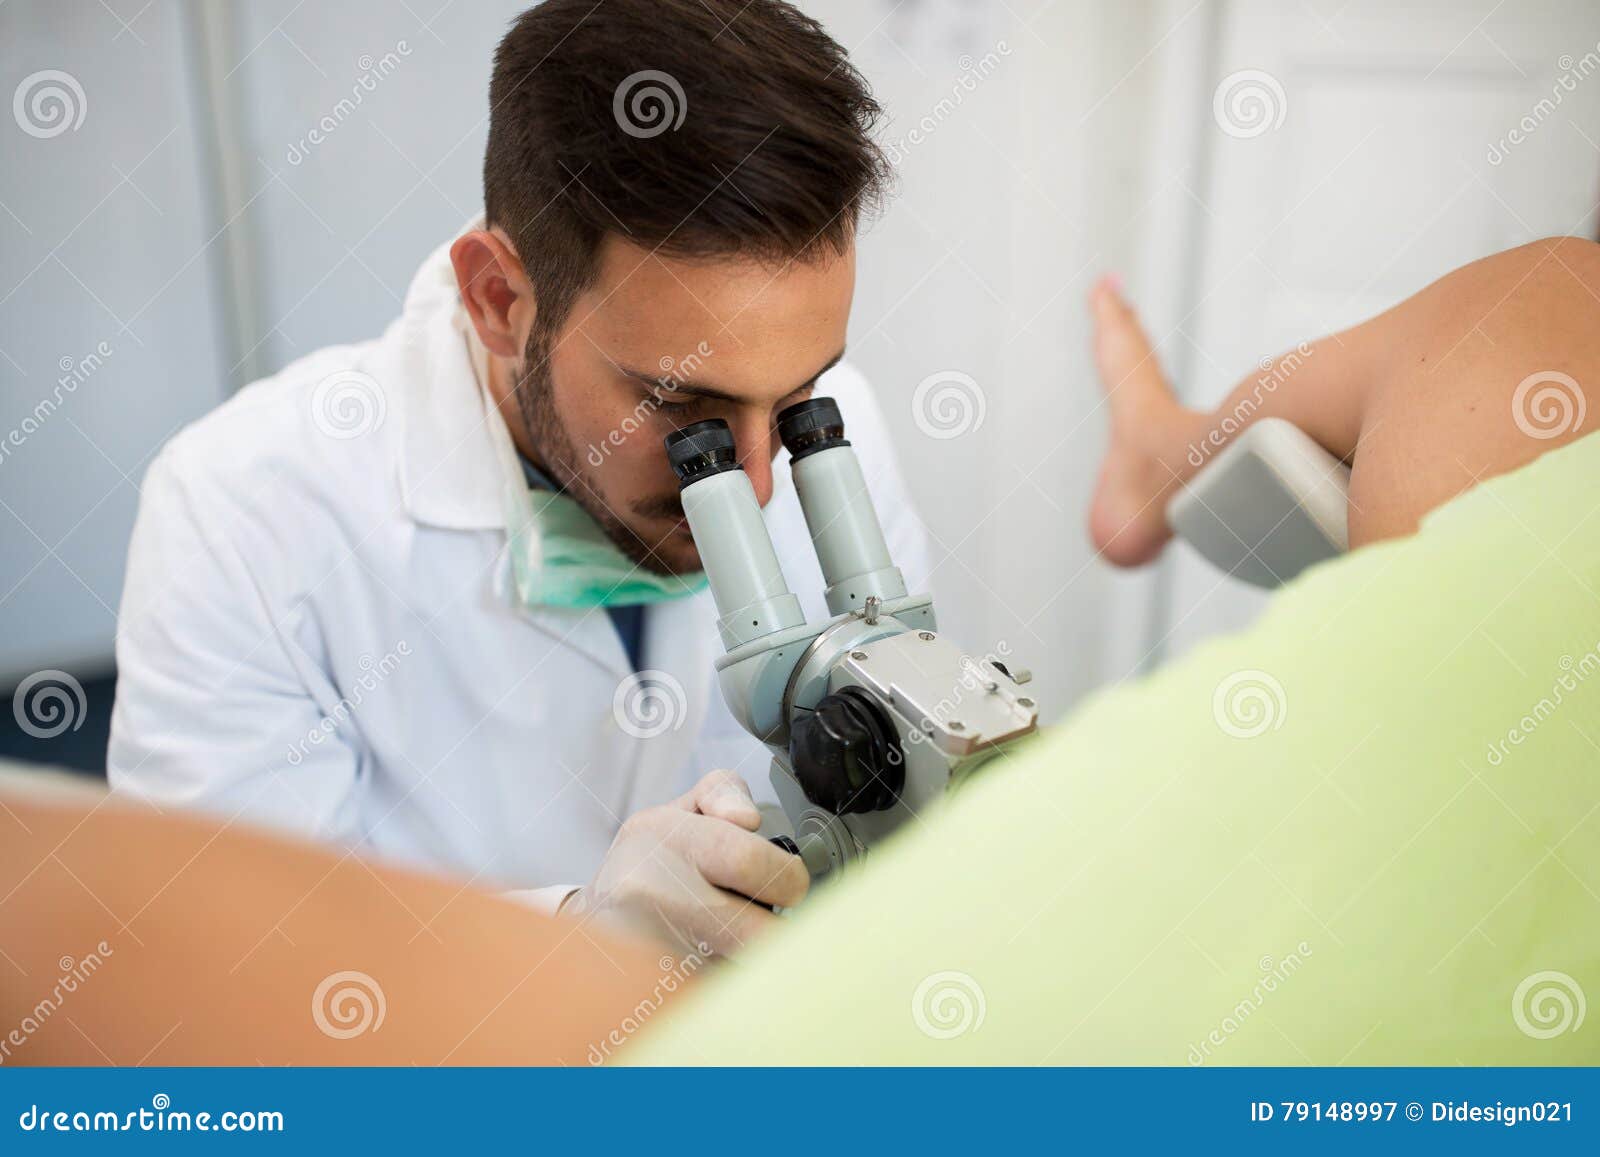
872	715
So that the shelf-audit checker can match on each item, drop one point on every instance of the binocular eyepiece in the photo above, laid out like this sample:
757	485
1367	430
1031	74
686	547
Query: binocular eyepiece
705	448
844	752
753	600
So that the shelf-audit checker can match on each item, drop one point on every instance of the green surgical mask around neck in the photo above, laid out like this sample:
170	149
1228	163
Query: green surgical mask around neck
560	557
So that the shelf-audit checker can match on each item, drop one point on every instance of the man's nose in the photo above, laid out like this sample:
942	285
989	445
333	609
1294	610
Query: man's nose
757	442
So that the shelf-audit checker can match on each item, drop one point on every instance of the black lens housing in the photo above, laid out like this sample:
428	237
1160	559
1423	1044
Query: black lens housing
812	425
846	755
700	450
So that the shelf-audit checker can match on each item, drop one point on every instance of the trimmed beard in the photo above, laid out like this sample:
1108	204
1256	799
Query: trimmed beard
553	444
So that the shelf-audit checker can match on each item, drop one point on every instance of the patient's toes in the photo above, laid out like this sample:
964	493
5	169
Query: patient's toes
1123	354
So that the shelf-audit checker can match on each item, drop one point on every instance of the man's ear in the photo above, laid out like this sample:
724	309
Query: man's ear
495	290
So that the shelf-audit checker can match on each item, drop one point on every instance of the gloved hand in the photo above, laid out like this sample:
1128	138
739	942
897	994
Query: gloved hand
685	872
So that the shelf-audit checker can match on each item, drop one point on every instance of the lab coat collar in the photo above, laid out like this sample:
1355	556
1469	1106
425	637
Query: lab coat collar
450	476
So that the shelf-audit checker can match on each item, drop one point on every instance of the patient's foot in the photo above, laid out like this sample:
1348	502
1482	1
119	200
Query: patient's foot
1150	437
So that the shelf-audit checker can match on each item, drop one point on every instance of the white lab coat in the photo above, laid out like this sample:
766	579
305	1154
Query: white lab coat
317	632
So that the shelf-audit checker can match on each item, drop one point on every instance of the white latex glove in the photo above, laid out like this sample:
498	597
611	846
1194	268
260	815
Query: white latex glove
686	872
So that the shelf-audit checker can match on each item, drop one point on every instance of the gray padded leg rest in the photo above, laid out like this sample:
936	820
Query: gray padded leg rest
1272	503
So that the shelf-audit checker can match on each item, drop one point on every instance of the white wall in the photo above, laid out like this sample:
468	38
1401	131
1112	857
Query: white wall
104	235
341	226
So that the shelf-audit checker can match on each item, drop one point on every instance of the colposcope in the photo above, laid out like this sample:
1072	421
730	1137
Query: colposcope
871	715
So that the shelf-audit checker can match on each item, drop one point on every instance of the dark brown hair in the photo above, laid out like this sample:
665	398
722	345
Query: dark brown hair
697	127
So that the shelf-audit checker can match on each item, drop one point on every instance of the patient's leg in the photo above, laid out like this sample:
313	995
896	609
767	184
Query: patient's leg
183	940
1423	400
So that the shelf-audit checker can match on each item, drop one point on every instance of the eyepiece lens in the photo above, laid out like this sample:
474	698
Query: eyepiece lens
812	425
701	449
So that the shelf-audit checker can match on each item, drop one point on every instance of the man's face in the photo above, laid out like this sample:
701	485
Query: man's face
656	343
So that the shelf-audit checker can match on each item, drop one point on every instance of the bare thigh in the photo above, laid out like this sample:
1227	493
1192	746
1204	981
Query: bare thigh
1479	374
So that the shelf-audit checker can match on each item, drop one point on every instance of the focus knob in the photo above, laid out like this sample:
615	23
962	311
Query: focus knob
846	755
